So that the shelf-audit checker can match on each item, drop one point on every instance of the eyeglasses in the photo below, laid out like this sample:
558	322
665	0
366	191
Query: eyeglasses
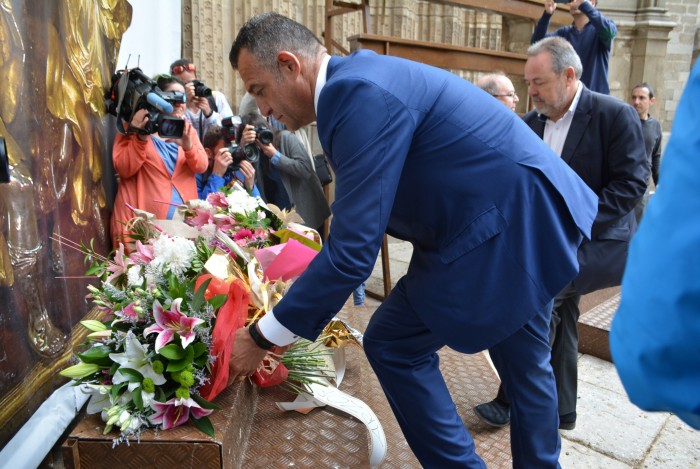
503	95
178	69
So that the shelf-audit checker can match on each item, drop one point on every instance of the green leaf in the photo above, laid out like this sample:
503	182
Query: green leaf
204	425
172	352
95	354
177	365
132	375
203	403
218	301
138	398
198	299
117	390
198	348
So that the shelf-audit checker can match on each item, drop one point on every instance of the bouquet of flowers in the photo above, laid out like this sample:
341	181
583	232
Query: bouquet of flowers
170	307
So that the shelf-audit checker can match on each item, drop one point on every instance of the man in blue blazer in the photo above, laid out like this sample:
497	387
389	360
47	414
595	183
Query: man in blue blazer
598	136
495	219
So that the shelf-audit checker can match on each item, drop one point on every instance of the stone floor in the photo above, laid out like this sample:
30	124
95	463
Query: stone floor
610	431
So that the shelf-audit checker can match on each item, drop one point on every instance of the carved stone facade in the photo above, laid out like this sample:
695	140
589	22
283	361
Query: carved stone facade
657	39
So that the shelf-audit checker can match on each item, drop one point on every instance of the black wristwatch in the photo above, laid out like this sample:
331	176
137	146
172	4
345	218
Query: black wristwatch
259	340
211	112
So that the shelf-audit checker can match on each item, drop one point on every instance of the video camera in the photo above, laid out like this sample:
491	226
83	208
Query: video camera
250	153
131	91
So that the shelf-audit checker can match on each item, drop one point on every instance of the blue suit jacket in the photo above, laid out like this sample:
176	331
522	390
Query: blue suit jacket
605	147
495	217
654	335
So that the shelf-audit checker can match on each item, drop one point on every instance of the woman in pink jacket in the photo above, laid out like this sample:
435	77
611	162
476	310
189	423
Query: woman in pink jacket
155	174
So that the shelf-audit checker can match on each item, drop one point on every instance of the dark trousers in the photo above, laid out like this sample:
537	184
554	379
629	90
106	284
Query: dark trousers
563	337
403	354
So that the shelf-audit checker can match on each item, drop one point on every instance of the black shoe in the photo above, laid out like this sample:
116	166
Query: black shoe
567	421
493	413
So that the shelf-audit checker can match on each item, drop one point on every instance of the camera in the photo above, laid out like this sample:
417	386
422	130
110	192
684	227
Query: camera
263	134
131	91
200	89
562	1
251	153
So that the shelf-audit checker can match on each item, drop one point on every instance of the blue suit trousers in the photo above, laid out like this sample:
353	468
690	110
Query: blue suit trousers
403	353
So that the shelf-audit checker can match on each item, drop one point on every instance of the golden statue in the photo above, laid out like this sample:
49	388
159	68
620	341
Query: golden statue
50	106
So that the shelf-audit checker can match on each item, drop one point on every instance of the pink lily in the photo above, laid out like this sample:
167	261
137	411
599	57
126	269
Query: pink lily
143	254
175	412
201	218
217	199
128	312
119	265
170	322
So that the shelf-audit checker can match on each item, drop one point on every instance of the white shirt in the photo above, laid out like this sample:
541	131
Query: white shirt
269	326
555	132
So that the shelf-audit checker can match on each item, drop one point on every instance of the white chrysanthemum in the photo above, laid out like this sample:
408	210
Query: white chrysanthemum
176	253
134	277
241	202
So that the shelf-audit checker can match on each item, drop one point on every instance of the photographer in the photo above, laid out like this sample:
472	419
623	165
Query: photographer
155	174
222	170
285	176
205	107
591	34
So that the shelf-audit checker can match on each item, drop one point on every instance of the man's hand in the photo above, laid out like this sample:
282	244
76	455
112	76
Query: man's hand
203	104
248	174
221	162
245	356
549	6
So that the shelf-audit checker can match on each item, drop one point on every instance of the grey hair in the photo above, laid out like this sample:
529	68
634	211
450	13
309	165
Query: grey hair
489	82
263	36
562	52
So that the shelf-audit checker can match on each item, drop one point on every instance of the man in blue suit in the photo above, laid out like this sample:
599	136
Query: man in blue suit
495	219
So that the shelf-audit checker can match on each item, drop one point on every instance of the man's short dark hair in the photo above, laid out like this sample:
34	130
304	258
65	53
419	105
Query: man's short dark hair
266	34
212	137
646	85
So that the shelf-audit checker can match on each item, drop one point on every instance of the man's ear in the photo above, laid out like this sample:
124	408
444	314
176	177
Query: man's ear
287	61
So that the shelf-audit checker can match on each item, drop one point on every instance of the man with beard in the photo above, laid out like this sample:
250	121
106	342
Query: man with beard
600	138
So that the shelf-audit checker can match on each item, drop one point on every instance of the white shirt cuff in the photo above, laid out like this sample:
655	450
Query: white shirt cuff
274	331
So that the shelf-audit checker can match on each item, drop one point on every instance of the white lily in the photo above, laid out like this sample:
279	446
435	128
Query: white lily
135	356
99	397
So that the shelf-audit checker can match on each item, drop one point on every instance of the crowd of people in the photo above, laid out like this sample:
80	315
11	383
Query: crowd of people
217	149
522	216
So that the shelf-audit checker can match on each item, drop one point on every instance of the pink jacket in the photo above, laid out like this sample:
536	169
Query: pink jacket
145	182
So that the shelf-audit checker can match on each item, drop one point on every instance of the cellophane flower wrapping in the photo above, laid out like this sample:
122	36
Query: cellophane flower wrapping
170	306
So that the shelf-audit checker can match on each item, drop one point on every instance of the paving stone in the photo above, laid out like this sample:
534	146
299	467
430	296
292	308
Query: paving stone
678	446
577	456
601	373
614	426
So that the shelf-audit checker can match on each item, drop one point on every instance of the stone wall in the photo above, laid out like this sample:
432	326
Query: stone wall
656	43
684	42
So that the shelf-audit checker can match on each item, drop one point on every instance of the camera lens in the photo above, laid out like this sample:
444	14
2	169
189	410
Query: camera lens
265	135
201	90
